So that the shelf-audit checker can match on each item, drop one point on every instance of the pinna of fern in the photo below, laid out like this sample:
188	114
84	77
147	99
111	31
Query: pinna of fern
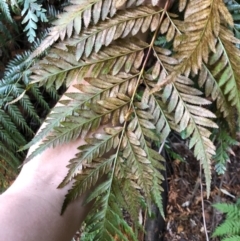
229	230
96	43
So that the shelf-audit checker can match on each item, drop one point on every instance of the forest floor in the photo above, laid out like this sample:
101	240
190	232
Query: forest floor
188	206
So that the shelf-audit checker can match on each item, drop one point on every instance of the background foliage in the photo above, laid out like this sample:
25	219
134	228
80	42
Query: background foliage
184	78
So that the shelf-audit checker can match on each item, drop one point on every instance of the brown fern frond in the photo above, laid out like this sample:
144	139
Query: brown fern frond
61	66
96	147
124	24
184	102
170	28
199	32
76	16
89	105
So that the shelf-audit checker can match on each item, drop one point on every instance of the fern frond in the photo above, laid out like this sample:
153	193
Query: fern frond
227	67
108	221
128	196
90	109
76	16
96	147
158	111
4	8
8	155
234	9
9	126
210	79
88	178
232	238
33	13
170	28
6	37
157	181
184	103
232	210
18	119
230	226
61	66
123	24
194	119
197	40
137	159
224	143
58	114
8	140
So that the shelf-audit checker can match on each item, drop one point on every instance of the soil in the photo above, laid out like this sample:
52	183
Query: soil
188	207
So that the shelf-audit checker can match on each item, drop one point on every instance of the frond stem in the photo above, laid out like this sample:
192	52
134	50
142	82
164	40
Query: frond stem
170	19
150	48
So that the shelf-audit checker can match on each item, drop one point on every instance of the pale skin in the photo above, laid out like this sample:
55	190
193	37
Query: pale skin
30	208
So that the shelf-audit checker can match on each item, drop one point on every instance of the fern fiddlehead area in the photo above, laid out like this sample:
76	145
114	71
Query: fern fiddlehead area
145	71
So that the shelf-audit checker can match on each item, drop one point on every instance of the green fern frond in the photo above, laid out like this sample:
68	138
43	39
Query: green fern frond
224	143
229	74
129	197
32	12
232	210
58	114
230	228
232	238
9	126
136	158
88	178
18	119
234	9
4	9
193	118
8	155
157	189
108	222
213	90
19	116
146	90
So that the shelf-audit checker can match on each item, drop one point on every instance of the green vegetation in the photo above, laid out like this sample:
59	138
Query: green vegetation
229	230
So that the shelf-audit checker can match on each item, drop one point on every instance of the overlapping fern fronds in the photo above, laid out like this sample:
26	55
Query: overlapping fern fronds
23	107
19	117
141	91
